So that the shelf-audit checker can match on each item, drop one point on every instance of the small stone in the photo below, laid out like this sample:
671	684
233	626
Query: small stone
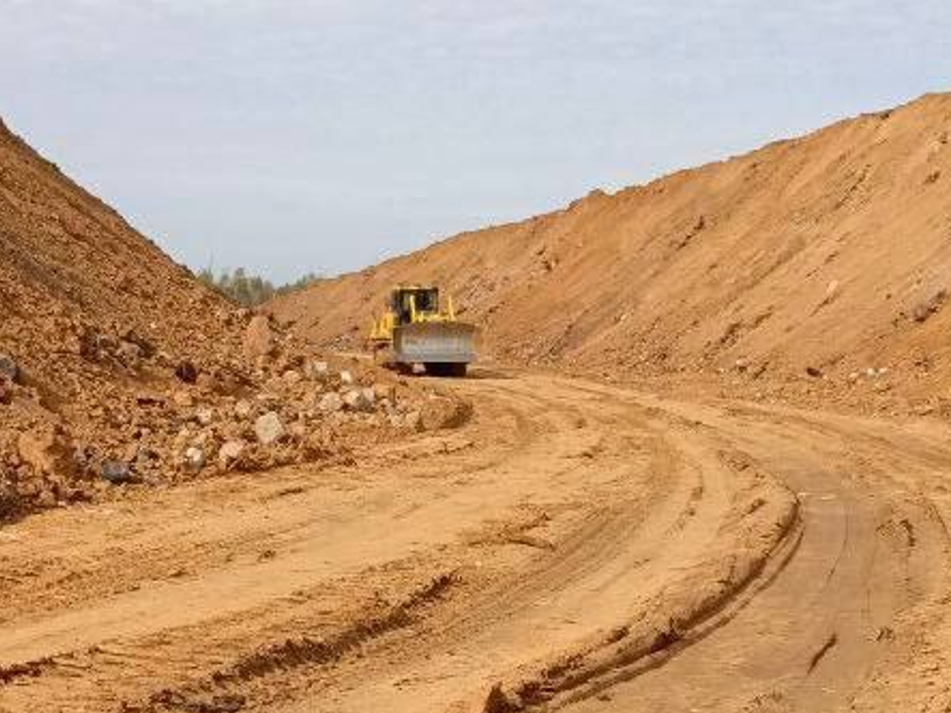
269	429
258	338
359	399
330	403
9	367
814	372
205	416
187	372
116	472
194	459
346	378
291	377
229	452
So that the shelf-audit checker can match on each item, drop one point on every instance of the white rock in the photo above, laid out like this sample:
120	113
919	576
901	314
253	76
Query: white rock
359	399
330	403
229	452
194	459
346	378
269	429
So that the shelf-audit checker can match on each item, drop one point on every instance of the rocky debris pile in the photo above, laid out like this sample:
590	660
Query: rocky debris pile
160	427
117	366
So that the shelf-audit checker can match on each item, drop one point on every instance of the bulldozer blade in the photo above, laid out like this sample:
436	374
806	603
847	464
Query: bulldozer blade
435	342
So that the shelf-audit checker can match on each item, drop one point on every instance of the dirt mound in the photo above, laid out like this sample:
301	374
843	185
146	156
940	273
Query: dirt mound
819	264
116	364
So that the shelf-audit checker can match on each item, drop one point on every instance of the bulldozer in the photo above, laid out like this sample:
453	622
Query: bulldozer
416	329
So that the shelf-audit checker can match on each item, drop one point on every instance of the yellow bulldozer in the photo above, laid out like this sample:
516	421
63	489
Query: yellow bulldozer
416	330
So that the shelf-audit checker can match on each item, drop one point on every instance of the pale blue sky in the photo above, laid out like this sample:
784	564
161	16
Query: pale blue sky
290	136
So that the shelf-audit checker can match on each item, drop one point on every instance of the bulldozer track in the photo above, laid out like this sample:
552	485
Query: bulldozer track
574	546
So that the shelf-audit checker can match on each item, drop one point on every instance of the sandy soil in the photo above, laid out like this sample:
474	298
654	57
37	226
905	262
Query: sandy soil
575	545
810	270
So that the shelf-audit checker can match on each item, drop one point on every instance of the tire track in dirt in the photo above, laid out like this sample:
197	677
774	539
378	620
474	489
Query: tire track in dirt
608	550
852	582
413	512
628	557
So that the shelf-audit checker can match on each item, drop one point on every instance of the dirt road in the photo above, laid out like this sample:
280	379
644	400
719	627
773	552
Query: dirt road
574	546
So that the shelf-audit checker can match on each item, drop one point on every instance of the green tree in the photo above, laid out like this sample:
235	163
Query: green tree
250	290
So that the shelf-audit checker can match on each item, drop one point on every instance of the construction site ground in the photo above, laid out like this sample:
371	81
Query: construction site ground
574	545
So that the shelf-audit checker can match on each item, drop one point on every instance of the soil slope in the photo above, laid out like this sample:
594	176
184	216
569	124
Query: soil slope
117	362
77	279
828	253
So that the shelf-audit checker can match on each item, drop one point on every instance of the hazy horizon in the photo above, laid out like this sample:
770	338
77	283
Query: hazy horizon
326	135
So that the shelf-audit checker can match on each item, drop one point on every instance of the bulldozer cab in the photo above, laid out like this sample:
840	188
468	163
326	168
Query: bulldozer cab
408	303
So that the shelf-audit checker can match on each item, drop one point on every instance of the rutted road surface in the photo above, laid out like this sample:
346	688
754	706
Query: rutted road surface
575	546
